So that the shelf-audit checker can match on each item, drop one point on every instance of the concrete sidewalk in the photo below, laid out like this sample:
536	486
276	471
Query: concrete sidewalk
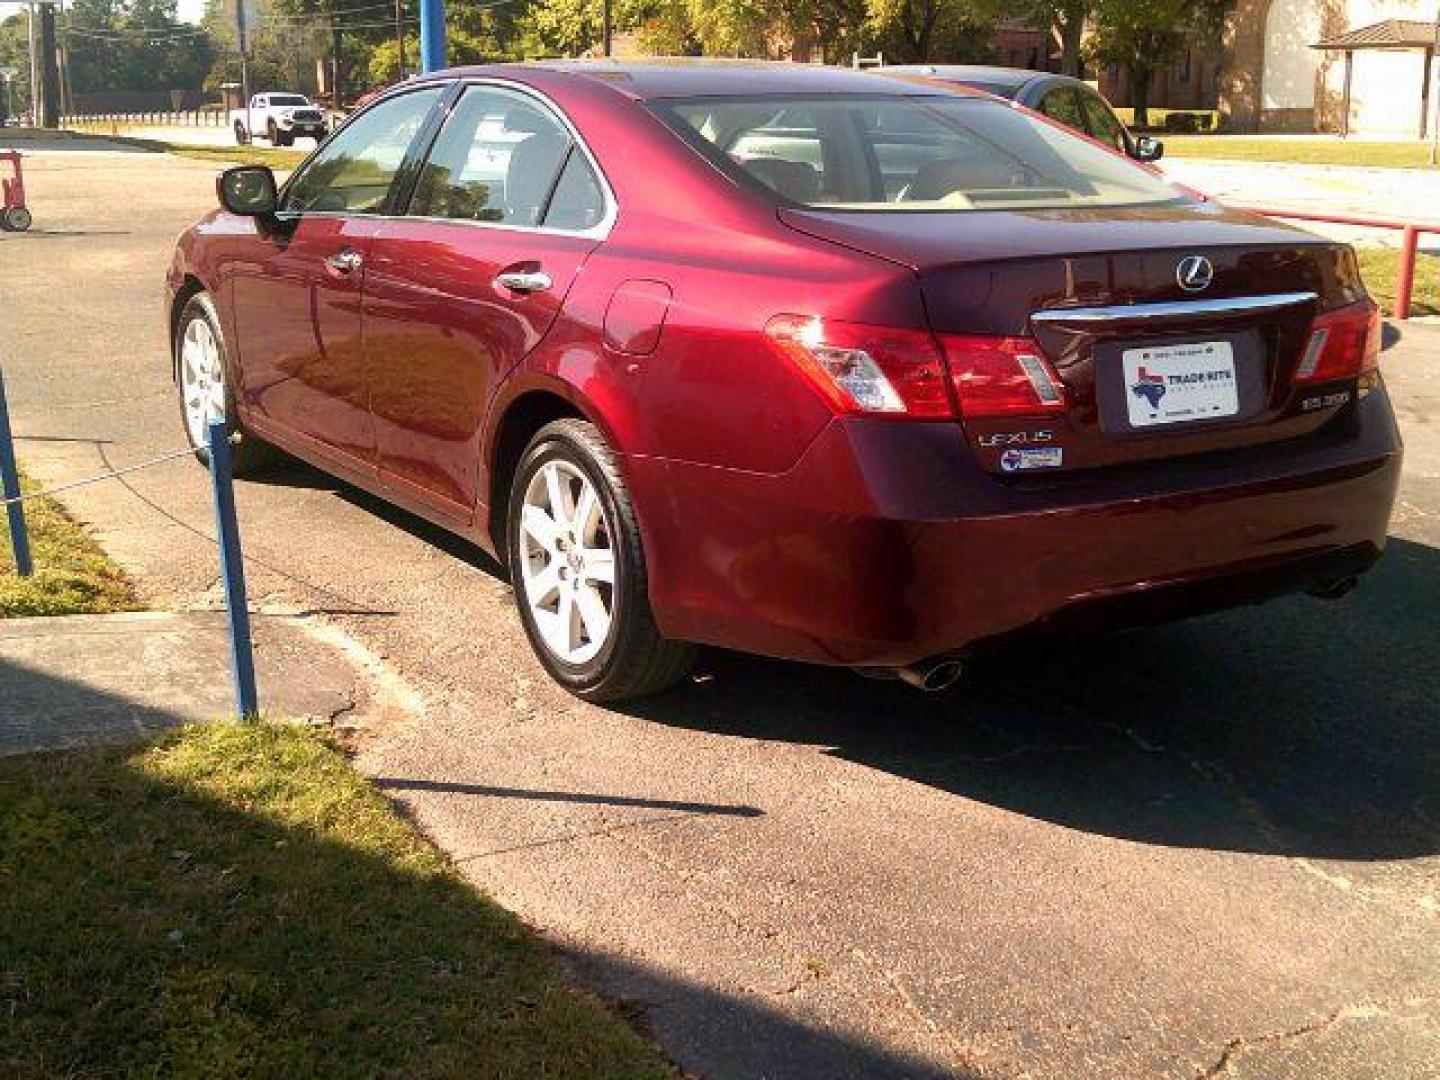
86	679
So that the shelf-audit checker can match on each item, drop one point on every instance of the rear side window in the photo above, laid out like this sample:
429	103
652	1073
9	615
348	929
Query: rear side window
908	153
1063	106
502	157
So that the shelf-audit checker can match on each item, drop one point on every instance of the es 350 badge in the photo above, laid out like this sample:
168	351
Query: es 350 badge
1032	457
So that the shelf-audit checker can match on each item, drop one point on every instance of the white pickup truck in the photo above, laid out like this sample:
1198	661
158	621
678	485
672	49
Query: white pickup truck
279	118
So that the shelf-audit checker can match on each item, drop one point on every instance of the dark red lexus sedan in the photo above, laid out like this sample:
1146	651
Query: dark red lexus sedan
794	361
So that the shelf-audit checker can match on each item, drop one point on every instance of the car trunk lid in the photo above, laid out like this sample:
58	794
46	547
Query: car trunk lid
1149	367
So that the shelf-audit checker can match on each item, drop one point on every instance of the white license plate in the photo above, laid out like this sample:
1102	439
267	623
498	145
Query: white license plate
1176	384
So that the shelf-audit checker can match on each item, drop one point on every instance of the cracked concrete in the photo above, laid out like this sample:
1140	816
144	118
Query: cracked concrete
87	679
1096	858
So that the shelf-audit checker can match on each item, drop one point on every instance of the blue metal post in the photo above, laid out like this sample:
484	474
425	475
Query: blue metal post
232	571
432	35
10	485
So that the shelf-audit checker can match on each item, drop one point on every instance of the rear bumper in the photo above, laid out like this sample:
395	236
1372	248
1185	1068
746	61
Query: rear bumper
887	544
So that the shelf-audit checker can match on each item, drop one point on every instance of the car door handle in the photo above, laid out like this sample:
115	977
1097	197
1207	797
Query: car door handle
345	262
524	281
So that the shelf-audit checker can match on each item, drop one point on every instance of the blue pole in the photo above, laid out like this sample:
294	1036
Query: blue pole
232	571
10	485
432	35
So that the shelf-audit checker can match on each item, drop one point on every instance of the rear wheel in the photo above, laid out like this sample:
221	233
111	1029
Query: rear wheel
272	133
242	136
16	219
577	567
205	394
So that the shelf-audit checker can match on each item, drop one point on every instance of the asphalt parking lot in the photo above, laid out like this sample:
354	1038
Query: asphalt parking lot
1207	849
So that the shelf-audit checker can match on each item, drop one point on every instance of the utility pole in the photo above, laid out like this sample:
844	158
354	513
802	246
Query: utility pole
8	74
49	75
605	27
242	42
34	67
335	91
399	41
1435	92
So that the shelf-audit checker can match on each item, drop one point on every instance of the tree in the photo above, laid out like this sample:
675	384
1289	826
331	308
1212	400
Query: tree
1146	36
15	53
919	31
132	45
1066	19
463	47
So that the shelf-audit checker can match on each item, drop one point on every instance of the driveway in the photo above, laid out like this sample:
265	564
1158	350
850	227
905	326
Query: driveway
1209	849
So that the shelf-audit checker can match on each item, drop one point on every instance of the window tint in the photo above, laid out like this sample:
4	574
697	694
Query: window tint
1063	107
288	99
496	159
892	152
353	172
1102	123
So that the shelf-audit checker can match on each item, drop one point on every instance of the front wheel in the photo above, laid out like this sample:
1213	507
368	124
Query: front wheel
577	567
242	137
205	393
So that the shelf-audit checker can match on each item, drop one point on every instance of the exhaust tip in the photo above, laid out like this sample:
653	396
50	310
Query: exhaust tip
1334	590
932	676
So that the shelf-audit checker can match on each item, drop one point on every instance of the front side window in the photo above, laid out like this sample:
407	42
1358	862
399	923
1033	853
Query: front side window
503	157
354	171
907	153
1102	122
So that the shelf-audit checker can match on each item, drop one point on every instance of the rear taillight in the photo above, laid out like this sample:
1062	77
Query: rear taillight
1344	344
1000	376
866	369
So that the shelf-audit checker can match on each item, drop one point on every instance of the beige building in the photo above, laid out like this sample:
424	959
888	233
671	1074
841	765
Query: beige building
1361	66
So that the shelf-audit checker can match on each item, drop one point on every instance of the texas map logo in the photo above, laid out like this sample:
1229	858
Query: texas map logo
1151	387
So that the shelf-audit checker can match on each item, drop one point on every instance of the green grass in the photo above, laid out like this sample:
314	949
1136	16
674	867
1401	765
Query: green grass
73	576
1400	155
235	901
276	158
1378	266
281	159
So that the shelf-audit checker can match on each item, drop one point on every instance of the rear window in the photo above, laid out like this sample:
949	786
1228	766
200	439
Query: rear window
908	154
288	99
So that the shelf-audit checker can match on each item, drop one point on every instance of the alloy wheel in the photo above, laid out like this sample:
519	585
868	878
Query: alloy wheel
567	562
202	380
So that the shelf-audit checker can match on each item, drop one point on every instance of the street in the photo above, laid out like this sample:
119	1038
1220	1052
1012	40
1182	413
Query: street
1211	848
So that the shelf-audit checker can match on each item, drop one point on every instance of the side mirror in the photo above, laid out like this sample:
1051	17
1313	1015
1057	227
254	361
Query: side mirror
1148	148
248	190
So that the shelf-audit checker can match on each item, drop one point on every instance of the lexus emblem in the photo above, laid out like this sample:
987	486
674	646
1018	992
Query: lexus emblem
1194	273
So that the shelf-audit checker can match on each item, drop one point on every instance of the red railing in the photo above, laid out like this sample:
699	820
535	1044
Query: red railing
1409	230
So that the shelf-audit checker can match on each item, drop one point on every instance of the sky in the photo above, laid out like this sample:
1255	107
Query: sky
189	10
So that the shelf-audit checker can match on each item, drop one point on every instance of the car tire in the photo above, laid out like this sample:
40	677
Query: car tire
566	550
242	137
16	219
284	138
196	372
271	134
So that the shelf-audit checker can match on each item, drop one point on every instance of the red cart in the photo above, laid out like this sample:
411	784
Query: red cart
14	217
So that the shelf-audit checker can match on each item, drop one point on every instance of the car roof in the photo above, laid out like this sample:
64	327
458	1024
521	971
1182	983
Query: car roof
1007	81
695	77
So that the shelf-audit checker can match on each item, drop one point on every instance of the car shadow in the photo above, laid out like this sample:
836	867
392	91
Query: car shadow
1298	728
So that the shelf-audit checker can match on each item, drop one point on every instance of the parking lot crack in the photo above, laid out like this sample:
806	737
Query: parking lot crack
1236	1049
